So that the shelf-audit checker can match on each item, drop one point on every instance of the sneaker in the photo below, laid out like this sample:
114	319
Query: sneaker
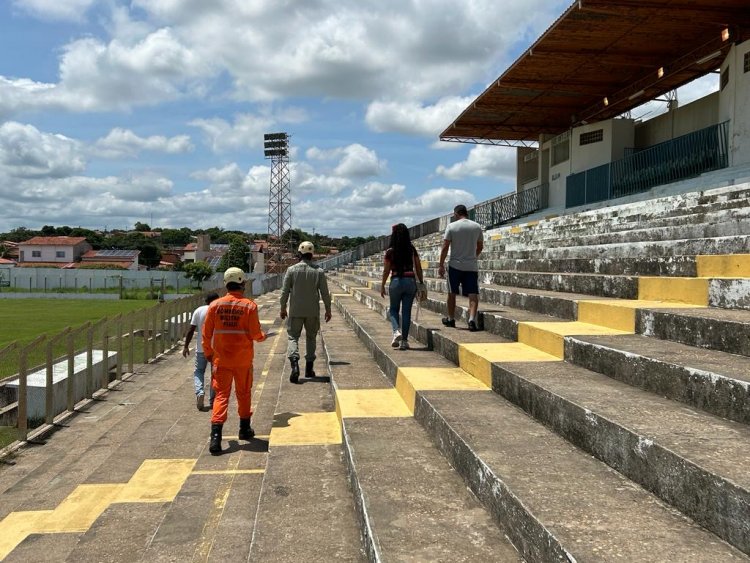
396	339
404	345
450	323
473	326
199	401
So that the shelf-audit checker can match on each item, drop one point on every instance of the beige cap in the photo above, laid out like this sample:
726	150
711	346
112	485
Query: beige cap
306	247
235	275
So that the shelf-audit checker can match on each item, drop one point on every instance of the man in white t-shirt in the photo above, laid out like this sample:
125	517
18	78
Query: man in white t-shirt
196	325
465	240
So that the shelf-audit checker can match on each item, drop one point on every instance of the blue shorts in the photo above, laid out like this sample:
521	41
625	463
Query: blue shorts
469	281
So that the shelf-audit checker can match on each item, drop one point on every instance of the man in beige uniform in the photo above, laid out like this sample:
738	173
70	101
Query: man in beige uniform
304	285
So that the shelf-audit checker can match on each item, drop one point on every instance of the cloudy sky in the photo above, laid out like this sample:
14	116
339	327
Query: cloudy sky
117	111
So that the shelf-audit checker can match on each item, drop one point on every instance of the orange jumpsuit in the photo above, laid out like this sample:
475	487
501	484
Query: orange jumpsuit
231	326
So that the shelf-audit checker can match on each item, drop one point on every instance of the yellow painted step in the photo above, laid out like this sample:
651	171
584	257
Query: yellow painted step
477	358
370	403
411	380
549	337
677	290
724	266
620	314
305	429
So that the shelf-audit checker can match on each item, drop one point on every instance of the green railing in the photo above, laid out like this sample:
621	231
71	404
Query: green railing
686	156
510	206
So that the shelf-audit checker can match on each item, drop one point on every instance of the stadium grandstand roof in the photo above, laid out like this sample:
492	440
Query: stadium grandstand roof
600	59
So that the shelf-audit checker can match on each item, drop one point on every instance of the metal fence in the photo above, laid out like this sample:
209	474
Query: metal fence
44	380
510	206
686	156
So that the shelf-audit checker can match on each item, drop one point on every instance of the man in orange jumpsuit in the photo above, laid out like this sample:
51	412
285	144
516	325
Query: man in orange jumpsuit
231	326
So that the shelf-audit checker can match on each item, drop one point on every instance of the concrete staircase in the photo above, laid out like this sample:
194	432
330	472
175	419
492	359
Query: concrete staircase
603	411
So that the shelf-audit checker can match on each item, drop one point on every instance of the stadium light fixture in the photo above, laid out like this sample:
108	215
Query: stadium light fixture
606	102
725	34
660	72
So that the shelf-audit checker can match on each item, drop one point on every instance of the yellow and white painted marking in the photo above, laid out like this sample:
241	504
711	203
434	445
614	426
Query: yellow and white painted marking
477	358
305	429
411	380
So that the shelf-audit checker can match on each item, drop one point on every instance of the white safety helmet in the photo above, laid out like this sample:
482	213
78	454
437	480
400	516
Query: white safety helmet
306	247
235	275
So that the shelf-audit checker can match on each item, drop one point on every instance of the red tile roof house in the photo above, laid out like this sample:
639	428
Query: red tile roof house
52	250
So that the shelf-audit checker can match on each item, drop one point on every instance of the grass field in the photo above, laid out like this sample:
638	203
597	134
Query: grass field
25	319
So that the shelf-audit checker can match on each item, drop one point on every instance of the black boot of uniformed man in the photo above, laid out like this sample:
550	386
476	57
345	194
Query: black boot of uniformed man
309	371
215	445
294	375
246	433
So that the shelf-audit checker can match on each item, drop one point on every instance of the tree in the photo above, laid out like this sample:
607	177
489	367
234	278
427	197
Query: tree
142	227
236	256
198	271
150	255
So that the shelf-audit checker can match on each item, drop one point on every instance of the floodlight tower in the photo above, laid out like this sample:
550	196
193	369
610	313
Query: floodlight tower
276	148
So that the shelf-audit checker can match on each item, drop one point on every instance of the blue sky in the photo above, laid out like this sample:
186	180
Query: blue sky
115	111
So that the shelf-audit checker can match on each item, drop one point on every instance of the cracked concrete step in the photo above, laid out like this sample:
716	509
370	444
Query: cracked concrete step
712	381
555	502
411	504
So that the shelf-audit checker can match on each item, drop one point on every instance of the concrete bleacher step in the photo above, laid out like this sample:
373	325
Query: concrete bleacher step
709	328
713	381
715	245
709	379
411	504
575	401
553	501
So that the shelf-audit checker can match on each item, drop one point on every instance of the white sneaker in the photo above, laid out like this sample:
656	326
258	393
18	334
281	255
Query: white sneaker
396	339
404	345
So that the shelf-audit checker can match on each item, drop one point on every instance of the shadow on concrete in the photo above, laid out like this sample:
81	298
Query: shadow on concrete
257	445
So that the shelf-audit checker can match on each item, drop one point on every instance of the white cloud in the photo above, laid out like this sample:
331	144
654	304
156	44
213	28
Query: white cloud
247	130
484	161
65	10
124	143
415	118
26	152
355	160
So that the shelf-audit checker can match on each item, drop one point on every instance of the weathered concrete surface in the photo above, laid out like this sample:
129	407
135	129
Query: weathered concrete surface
506	457
413	505
710	380
213	516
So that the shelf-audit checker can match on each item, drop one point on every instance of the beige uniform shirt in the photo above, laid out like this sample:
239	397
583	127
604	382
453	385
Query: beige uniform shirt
304	285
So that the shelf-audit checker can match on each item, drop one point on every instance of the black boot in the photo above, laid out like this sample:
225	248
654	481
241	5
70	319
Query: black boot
215	446
294	375
309	371
246	433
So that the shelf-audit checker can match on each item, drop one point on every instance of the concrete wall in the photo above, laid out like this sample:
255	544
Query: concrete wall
734	101
35	278
527	167
48	253
694	116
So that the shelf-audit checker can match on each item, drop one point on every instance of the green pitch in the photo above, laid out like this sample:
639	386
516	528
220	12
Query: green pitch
25	319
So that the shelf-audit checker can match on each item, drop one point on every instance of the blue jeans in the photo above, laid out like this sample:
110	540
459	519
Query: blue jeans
401	292
198	376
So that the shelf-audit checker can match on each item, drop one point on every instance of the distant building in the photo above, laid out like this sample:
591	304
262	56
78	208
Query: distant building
52	250
127	259
203	251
